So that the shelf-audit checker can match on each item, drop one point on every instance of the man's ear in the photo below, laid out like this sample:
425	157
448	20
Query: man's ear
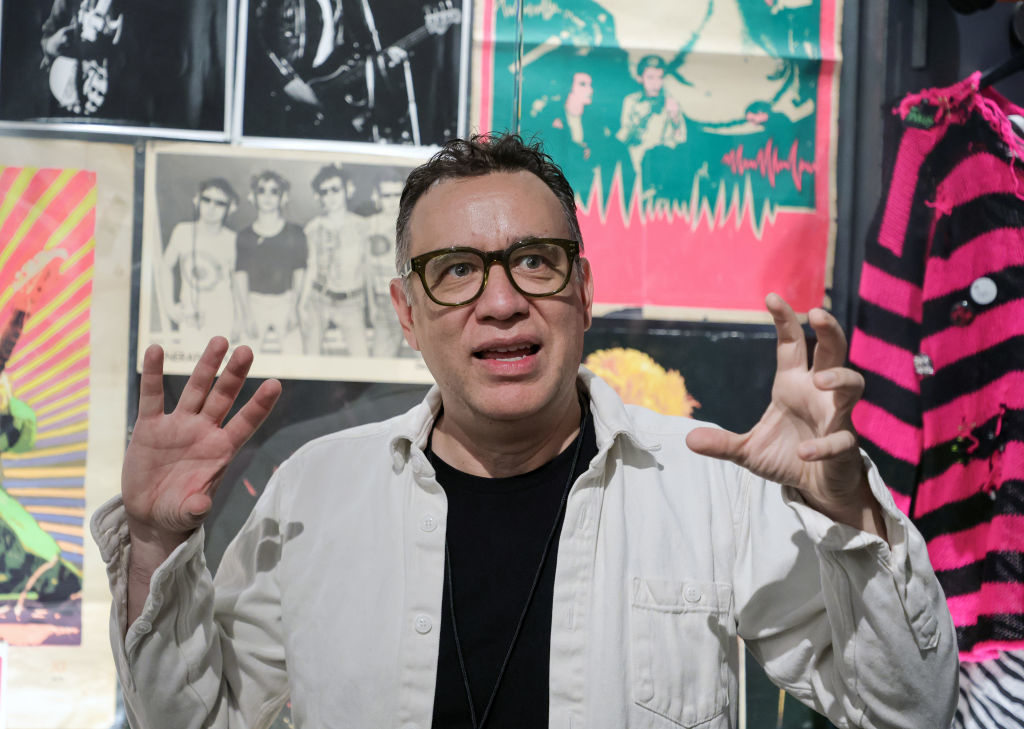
403	308
587	293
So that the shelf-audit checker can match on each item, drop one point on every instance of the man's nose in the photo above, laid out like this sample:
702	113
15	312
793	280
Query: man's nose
500	299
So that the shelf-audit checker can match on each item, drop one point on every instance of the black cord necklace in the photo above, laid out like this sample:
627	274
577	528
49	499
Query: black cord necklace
529	598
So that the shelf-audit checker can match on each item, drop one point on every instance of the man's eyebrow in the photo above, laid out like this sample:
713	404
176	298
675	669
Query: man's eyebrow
528	236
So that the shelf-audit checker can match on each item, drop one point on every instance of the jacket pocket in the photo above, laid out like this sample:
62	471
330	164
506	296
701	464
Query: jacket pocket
679	643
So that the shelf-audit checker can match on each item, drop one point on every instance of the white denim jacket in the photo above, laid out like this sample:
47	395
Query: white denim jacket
331	595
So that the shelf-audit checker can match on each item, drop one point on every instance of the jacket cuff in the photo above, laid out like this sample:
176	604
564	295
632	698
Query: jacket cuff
109	526
904	557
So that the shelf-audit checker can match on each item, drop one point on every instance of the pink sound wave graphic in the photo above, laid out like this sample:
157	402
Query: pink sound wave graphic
712	209
768	163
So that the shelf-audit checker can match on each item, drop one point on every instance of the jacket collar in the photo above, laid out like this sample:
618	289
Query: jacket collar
612	421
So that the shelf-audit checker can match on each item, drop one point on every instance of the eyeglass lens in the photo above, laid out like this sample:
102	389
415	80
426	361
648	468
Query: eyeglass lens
538	268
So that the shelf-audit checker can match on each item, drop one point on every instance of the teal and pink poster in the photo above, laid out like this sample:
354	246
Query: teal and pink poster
699	137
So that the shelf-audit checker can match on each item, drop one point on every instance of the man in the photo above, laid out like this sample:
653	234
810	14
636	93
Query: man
203	252
431	569
583	144
335	293
85	57
31	564
30	561
380	267
141	62
650	116
270	268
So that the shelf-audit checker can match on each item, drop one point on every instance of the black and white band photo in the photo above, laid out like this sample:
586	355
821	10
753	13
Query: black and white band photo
137	65
290	253
386	71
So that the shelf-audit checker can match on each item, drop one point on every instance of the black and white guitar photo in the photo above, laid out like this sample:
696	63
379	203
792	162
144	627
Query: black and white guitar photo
338	68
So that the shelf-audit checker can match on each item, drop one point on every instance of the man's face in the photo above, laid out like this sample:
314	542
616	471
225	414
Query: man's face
652	80
331	194
390	195
505	356
582	88
268	196
213	205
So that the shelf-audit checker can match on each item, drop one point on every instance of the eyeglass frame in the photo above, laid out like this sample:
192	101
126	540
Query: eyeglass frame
215	201
418	264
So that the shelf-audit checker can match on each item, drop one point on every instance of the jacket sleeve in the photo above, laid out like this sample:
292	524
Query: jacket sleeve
203	653
853	626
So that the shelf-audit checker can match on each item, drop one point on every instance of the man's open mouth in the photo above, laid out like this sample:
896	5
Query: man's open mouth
507	354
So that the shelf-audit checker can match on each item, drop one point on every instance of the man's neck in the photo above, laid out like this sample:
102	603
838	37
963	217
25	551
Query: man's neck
334	216
269	217
497	449
204	227
268	224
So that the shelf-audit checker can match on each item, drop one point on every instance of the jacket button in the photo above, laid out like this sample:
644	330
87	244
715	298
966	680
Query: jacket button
423	624
692	593
428	523
983	291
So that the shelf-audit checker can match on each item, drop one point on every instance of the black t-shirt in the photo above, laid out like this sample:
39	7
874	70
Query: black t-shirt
497	530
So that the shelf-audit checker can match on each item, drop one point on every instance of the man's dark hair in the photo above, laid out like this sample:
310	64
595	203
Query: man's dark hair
282	184
329	172
480	155
650	61
221	184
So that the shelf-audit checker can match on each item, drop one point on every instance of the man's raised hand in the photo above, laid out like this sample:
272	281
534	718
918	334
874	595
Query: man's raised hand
805	438
175	460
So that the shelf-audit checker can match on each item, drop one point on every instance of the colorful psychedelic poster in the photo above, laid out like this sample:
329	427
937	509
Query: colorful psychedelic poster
47	219
699	137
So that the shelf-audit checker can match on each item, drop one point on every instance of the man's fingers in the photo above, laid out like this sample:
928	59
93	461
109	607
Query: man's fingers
201	379
194	509
846	384
151	384
251	416
791	350
828	446
714	442
830	351
228	385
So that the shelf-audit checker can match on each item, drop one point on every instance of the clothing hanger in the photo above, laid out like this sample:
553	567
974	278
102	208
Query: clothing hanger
1004	70
1015	62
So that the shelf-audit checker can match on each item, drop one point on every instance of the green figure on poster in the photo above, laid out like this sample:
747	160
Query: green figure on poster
31	565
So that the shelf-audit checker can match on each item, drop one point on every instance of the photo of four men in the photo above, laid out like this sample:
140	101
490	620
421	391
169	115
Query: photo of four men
285	268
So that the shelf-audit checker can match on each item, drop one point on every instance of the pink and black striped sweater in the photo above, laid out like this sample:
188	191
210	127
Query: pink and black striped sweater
940	341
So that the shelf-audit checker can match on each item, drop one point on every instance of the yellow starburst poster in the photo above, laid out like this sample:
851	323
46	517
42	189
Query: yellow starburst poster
47	222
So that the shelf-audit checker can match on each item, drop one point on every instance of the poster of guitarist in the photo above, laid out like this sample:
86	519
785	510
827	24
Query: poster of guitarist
132	63
354	70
